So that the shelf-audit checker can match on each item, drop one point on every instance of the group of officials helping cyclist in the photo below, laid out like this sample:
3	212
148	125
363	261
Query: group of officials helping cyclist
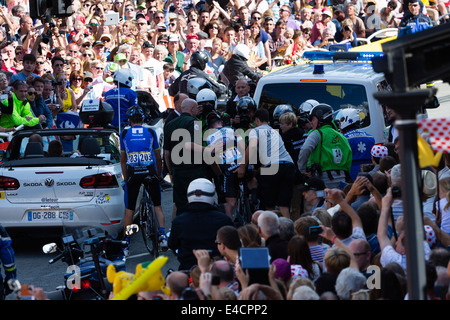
237	144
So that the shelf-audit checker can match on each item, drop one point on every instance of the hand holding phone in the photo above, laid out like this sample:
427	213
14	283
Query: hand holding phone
315	230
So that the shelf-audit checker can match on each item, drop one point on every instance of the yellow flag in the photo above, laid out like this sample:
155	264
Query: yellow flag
426	155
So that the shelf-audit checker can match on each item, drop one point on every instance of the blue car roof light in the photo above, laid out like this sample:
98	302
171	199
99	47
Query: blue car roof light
333	56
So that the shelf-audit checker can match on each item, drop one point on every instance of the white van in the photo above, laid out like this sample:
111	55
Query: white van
350	82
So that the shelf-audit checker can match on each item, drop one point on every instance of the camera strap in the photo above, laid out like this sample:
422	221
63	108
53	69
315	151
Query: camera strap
393	223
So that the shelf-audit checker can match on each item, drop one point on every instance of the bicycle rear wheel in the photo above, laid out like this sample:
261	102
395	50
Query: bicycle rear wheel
149	226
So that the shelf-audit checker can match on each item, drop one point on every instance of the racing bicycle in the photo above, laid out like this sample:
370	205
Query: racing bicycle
148	221
243	212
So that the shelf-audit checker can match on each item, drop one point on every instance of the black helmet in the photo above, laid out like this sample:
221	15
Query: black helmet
323	112
279	110
245	104
199	59
136	114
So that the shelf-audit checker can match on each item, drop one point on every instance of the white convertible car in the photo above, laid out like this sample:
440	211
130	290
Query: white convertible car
39	191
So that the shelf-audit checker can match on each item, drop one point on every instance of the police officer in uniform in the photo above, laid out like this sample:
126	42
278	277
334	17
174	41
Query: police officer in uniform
361	142
326	153
7	258
180	162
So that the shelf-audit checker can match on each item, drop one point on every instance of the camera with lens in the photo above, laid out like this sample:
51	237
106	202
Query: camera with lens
47	36
396	192
315	170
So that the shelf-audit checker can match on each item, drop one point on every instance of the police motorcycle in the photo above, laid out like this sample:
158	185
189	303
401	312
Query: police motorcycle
88	252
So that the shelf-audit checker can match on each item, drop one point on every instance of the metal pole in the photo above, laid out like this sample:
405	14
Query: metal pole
412	209
406	104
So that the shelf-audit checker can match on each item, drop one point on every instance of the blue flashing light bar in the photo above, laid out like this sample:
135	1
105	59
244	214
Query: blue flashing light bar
333	56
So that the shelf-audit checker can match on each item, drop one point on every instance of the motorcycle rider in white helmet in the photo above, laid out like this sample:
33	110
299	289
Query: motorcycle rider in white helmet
197	226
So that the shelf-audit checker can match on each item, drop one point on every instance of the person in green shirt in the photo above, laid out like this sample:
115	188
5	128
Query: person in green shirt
16	110
326	153
175	57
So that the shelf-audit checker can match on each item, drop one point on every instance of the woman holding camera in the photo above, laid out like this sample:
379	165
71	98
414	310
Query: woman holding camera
347	33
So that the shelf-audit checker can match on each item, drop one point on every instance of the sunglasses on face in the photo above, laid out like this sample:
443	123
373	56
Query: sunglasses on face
86	45
40	62
87	55
31	93
257	18
129	9
173	24
78	79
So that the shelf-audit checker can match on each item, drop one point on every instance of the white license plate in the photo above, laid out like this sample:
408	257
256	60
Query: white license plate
49	215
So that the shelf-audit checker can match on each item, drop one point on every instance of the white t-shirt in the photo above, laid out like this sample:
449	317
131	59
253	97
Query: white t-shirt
390	255
445	216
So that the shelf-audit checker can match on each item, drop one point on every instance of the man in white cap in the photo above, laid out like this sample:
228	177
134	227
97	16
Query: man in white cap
107	41
175	57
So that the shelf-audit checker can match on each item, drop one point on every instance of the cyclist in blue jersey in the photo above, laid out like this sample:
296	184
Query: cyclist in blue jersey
140	158
121	95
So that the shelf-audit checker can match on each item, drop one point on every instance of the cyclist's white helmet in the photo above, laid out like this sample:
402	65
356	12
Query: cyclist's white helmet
201	190
242	50
207	95
124	76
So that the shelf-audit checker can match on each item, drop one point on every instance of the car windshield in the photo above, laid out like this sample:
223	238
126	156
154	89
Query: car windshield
339	96
101	146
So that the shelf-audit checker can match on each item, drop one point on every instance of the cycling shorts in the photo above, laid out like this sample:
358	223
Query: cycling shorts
133	185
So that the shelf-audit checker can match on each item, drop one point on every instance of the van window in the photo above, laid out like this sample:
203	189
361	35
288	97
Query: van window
338	96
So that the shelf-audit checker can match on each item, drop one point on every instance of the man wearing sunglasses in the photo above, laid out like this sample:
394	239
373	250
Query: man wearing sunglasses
414	20
16	110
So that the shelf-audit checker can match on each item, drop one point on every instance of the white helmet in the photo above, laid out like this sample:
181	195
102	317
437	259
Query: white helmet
348	117
306	106
201	190
207	96
124	76
242	50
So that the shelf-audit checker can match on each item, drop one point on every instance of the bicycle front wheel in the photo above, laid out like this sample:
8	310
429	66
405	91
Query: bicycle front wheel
149	227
